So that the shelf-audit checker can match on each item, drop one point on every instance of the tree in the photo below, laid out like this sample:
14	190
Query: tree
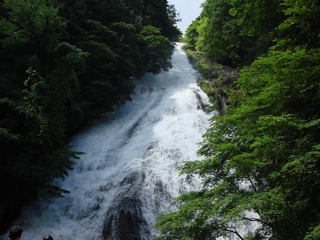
62	64
262	158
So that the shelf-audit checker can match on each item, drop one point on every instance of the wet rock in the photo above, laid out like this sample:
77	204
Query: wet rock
221	102
135	178
201	105
150	150
125	221
213	75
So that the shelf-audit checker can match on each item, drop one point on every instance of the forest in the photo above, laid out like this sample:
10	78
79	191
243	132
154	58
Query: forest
62	64
262	157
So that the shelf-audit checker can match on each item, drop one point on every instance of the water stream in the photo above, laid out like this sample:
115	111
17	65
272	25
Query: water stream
129	172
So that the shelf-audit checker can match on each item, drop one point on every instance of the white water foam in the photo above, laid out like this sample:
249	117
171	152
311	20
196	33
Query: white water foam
148	137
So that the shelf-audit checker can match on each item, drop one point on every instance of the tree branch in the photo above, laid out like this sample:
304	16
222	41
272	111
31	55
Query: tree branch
235	232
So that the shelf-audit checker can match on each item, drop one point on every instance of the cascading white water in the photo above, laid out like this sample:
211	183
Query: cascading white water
129	172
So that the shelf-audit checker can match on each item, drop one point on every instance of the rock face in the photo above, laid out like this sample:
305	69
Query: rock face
125	221
221	101
213	75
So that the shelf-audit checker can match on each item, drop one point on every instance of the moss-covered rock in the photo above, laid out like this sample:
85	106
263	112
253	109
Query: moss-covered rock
217	80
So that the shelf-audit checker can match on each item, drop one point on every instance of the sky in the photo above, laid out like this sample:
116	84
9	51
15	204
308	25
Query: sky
188	10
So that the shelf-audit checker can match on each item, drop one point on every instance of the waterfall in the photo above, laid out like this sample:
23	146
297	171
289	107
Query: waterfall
129	172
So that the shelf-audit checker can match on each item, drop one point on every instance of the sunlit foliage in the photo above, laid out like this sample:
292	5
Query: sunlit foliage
263	157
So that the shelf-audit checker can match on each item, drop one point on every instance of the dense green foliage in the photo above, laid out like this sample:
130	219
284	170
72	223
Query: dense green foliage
234	32
62	63
263	156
